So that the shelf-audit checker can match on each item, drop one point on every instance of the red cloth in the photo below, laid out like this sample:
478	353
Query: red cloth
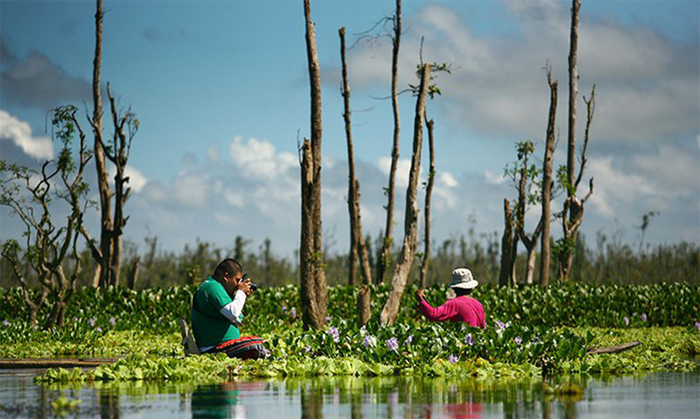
459	309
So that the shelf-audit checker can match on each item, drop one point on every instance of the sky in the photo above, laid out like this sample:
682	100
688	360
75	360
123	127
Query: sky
221	92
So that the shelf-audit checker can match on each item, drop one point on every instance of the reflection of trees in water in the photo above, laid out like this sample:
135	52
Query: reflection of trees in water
108	403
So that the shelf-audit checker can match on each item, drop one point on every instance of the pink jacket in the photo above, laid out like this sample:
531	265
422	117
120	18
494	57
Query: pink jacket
459	309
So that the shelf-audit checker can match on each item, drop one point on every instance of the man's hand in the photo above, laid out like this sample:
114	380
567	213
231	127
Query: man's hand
244	285
420	295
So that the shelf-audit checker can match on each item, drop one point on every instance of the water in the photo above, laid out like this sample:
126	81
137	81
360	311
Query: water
658	395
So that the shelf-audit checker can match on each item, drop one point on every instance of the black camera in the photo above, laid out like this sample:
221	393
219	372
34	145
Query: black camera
253	285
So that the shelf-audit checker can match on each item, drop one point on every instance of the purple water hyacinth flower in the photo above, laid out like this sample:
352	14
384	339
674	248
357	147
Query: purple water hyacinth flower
91	322
99	329
409	339
369	341
643	317
500	325
284	309
392	344
333	332
307	349
464	328
626	320
634	314
469	339
697	326
112	321
453	359
518	340
293	312
5	323
328	319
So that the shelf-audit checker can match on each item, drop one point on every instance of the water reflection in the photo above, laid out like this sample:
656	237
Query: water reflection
657	395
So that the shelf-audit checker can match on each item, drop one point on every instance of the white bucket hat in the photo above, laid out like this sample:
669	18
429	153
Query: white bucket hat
462	278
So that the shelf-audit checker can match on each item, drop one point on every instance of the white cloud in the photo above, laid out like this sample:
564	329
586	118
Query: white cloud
136	179
403	169
447	179
494	178
20	133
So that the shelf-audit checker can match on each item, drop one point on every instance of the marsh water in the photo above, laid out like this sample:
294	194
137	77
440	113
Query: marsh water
657	395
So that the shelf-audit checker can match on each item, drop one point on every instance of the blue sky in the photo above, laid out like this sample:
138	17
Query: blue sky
221	92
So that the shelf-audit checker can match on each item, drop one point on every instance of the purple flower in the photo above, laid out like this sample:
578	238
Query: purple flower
284	309
392	344
500	325
464	328
5	323
75	320
91	322
643	317
307	349
112	321
409	339
328	319
469	339
333	332
293	312
99	329
697	325
453	359
626	320
518	340
369	341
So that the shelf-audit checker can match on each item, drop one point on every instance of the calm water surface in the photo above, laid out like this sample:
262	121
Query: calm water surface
660	395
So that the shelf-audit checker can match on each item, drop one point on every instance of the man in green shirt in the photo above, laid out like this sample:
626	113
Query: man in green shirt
217	311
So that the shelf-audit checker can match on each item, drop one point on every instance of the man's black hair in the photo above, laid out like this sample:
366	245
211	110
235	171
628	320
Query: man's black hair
229	266
462	291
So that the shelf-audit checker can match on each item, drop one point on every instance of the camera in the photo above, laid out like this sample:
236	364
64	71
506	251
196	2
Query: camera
253	285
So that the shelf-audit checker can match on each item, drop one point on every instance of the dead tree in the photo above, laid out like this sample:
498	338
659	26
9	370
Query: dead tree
545	252
388	241
311	266
572	214
509	242
51	248
408	249
428	194
357	240
107	253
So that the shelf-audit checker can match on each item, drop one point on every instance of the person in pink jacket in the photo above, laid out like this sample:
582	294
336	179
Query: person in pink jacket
462	308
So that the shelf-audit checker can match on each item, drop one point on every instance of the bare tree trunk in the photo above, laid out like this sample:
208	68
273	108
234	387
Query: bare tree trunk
313	279
104	255
547	180
428	194
134	274
387	244
352	265
569	239
357	241
403	267
506	273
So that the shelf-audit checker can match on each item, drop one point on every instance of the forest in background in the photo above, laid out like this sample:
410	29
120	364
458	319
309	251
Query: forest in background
608	261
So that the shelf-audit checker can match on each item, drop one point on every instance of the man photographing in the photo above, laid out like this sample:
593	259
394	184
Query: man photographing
217	312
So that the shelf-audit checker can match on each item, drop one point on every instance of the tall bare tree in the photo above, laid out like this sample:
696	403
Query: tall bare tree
357	240
426	215
388	241
572	215
108	253
545	253
408	249
51	248
311	266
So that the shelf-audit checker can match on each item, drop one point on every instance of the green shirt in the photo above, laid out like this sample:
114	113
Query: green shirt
212	328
